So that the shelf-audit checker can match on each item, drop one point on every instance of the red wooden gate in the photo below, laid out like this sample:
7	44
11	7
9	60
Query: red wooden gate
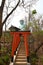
16	42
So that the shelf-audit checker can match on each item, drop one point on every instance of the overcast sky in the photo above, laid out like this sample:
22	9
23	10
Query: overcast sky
39	6
20	14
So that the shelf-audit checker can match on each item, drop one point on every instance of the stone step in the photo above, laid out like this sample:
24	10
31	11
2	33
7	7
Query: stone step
22	50
21	63
21	54
21	57
22	47
21	60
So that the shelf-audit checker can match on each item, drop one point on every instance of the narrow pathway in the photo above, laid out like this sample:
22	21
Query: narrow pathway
21	56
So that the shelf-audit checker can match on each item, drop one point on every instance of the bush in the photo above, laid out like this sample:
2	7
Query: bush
41	58
33	59
1	61
4	60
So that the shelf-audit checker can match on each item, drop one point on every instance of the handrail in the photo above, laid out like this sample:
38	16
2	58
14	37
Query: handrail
16	53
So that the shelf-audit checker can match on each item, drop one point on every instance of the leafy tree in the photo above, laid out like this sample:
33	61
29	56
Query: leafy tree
34	12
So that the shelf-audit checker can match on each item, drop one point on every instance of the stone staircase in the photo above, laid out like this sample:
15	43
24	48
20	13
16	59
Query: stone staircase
21	56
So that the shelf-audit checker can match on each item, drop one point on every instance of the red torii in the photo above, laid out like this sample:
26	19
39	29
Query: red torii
16	42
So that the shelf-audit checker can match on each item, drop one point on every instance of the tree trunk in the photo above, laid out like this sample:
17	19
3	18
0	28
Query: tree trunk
1	12
0	22
0	31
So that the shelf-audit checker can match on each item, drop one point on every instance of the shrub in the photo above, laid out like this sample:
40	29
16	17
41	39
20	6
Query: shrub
4	60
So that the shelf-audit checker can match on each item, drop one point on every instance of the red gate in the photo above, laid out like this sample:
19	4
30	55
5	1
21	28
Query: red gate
16	42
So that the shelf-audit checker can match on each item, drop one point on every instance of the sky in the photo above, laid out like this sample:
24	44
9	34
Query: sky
39	6
21	14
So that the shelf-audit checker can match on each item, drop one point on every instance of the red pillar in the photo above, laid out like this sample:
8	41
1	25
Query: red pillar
15	43
26	47
26	44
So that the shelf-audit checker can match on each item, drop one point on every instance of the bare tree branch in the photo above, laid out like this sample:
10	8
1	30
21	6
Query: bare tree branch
2	5
10	13
38	48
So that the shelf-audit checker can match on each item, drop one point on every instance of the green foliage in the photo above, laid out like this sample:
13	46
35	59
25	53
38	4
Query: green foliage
6	36
38	33
34	12
1	62
34	55
31	39
38	36
4	60
34	58
3	49
41	58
